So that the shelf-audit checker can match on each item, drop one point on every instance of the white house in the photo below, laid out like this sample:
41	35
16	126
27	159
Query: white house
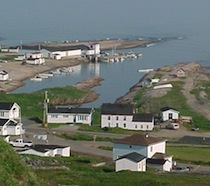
10	49
132	161
34	55
168	113
3	75
10	111
143	122
181	73
61	51
48	150
11	127
35	61
123	116
141	144
161	162
20	57
94	49
69	115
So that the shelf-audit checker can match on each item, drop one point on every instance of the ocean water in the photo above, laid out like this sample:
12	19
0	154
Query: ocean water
182	24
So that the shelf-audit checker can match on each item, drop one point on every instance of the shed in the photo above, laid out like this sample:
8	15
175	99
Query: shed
132	161
168	113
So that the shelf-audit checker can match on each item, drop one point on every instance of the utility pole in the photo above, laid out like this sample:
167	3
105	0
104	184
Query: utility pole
45	109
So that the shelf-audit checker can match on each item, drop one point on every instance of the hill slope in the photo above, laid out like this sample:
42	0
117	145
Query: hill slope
13	171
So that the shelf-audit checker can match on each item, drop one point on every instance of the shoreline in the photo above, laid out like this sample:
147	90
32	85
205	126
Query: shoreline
18	72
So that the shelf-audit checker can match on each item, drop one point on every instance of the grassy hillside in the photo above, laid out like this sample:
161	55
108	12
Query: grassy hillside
13	171
32	103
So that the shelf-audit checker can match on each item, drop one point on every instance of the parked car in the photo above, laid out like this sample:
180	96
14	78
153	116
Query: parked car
173	126
181	169
21	143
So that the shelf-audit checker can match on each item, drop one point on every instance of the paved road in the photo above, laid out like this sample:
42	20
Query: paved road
87	147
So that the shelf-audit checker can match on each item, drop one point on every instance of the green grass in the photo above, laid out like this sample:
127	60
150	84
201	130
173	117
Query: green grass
175	99
32	103
13	171
81	172
83	137
197	155
106	148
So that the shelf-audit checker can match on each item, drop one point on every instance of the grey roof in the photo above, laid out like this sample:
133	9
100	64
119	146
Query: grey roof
3	121
53	49
138	139
3	72
69	110
6	105
12	123
168	108
143	117
156	161
45	148
117	109
133	156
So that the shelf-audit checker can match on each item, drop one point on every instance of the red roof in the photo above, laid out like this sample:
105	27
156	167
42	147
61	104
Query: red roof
138	139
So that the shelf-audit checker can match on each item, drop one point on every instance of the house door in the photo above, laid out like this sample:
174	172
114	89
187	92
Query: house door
170	116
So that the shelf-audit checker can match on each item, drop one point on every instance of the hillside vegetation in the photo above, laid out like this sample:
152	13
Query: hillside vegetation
13	171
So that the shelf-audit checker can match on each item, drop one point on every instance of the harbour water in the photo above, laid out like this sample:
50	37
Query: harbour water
182	24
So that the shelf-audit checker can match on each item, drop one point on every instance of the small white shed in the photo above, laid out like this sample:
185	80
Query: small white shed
132	162
3	75
168	113
48	150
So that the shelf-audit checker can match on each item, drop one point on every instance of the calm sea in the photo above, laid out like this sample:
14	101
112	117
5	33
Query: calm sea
183	23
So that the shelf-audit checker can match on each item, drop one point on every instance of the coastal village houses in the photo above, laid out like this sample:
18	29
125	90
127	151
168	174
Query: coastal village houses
124	116
10	119
138	151
168	113
69	115
60	51
47	150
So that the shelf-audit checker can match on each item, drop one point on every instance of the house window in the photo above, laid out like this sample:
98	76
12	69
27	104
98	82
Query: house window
117	125
54	116
65	116
147	126
117	117
108	117
2	114
136	126
141	126
151	149
130	146
82	117
124	125
124	118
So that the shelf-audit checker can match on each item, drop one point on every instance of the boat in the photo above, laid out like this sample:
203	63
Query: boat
66	70
49	74
42	76
36	79
146	70
56	72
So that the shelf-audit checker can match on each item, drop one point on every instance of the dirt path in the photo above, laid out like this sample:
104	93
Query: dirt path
194	104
